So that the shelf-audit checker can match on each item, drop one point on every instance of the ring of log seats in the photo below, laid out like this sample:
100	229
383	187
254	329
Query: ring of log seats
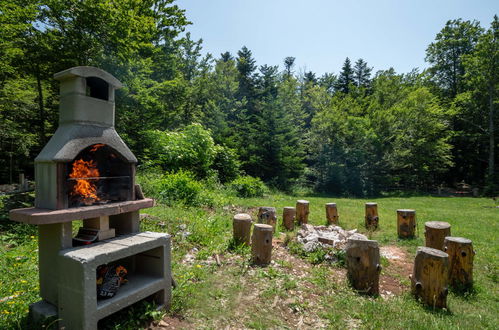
430	277
363	265
267	215
435	233
406	223
241	225
261	244
288	217
302	211
332	214
461	254
372	218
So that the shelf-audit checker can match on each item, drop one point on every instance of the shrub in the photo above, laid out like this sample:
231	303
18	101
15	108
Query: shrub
190	149
180	187
247	186
226	164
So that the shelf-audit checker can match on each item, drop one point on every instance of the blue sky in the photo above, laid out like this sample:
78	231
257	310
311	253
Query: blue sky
321	33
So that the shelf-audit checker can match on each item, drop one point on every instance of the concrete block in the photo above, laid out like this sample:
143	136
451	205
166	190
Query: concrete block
52	238
126	223
41	312
147	259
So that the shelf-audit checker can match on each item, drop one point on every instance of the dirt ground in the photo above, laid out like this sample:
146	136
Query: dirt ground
253	292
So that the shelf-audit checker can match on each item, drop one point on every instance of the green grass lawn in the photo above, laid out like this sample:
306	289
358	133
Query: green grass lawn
291	292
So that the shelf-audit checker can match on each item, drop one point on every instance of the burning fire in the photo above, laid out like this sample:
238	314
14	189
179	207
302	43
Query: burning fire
84	187
96	147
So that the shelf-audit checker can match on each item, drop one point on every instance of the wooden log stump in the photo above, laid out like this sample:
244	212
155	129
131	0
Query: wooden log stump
302	211
267	215
461	254
261	244
332	214
435	233
288	217
363	265
372	218
429	277
241	225
406	223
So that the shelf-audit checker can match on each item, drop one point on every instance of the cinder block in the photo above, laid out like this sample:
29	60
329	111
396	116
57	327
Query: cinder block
147	259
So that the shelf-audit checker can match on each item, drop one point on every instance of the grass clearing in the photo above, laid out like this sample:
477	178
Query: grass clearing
293	291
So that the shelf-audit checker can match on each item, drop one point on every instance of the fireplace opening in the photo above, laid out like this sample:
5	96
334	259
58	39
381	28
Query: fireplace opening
99	175
98	88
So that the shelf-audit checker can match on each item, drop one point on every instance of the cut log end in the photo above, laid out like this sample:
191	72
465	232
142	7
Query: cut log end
261	244
302	211
461	255
332	214
430	275
288	217
435	233
267	215
406	223
363	265
241	225
372	219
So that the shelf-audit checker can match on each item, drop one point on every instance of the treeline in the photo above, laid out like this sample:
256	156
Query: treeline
352	133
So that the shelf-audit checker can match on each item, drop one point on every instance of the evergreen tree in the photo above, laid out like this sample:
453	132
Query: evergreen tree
289	62
345	78
361	74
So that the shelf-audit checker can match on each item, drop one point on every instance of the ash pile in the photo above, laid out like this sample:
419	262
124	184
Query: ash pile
313	238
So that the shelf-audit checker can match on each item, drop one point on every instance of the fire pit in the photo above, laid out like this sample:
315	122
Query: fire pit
86	172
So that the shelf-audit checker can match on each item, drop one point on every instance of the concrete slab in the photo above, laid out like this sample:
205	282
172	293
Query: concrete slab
36	216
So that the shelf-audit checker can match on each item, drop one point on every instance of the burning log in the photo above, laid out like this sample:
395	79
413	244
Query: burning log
435	233
261	244
406	223
241	225
332	214
363	264
429	277
288	217
302	211
372	219
461	254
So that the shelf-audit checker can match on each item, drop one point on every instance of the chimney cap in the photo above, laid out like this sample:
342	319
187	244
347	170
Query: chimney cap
86	72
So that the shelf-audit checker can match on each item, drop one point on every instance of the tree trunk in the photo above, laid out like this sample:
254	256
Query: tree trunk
461	254
288	217
302	211
267	215
241	225
41	108
406	223
332	214
492	145
435	233
372	218
261	244
363	264
429	277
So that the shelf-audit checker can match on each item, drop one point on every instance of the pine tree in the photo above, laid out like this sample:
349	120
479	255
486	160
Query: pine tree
289	62
345	78
362	73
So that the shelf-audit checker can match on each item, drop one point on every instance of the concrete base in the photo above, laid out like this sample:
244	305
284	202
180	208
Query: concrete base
145	255
41	311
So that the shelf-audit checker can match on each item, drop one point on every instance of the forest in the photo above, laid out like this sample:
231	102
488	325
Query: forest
220	117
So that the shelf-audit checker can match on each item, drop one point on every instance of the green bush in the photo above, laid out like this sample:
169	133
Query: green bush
247	186
174	188
226	164
190	149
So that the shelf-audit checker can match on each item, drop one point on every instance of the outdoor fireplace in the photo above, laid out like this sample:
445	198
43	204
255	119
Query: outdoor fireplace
85	153
86	172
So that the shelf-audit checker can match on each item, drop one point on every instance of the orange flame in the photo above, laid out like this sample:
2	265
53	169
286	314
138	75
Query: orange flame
83	187
96	147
